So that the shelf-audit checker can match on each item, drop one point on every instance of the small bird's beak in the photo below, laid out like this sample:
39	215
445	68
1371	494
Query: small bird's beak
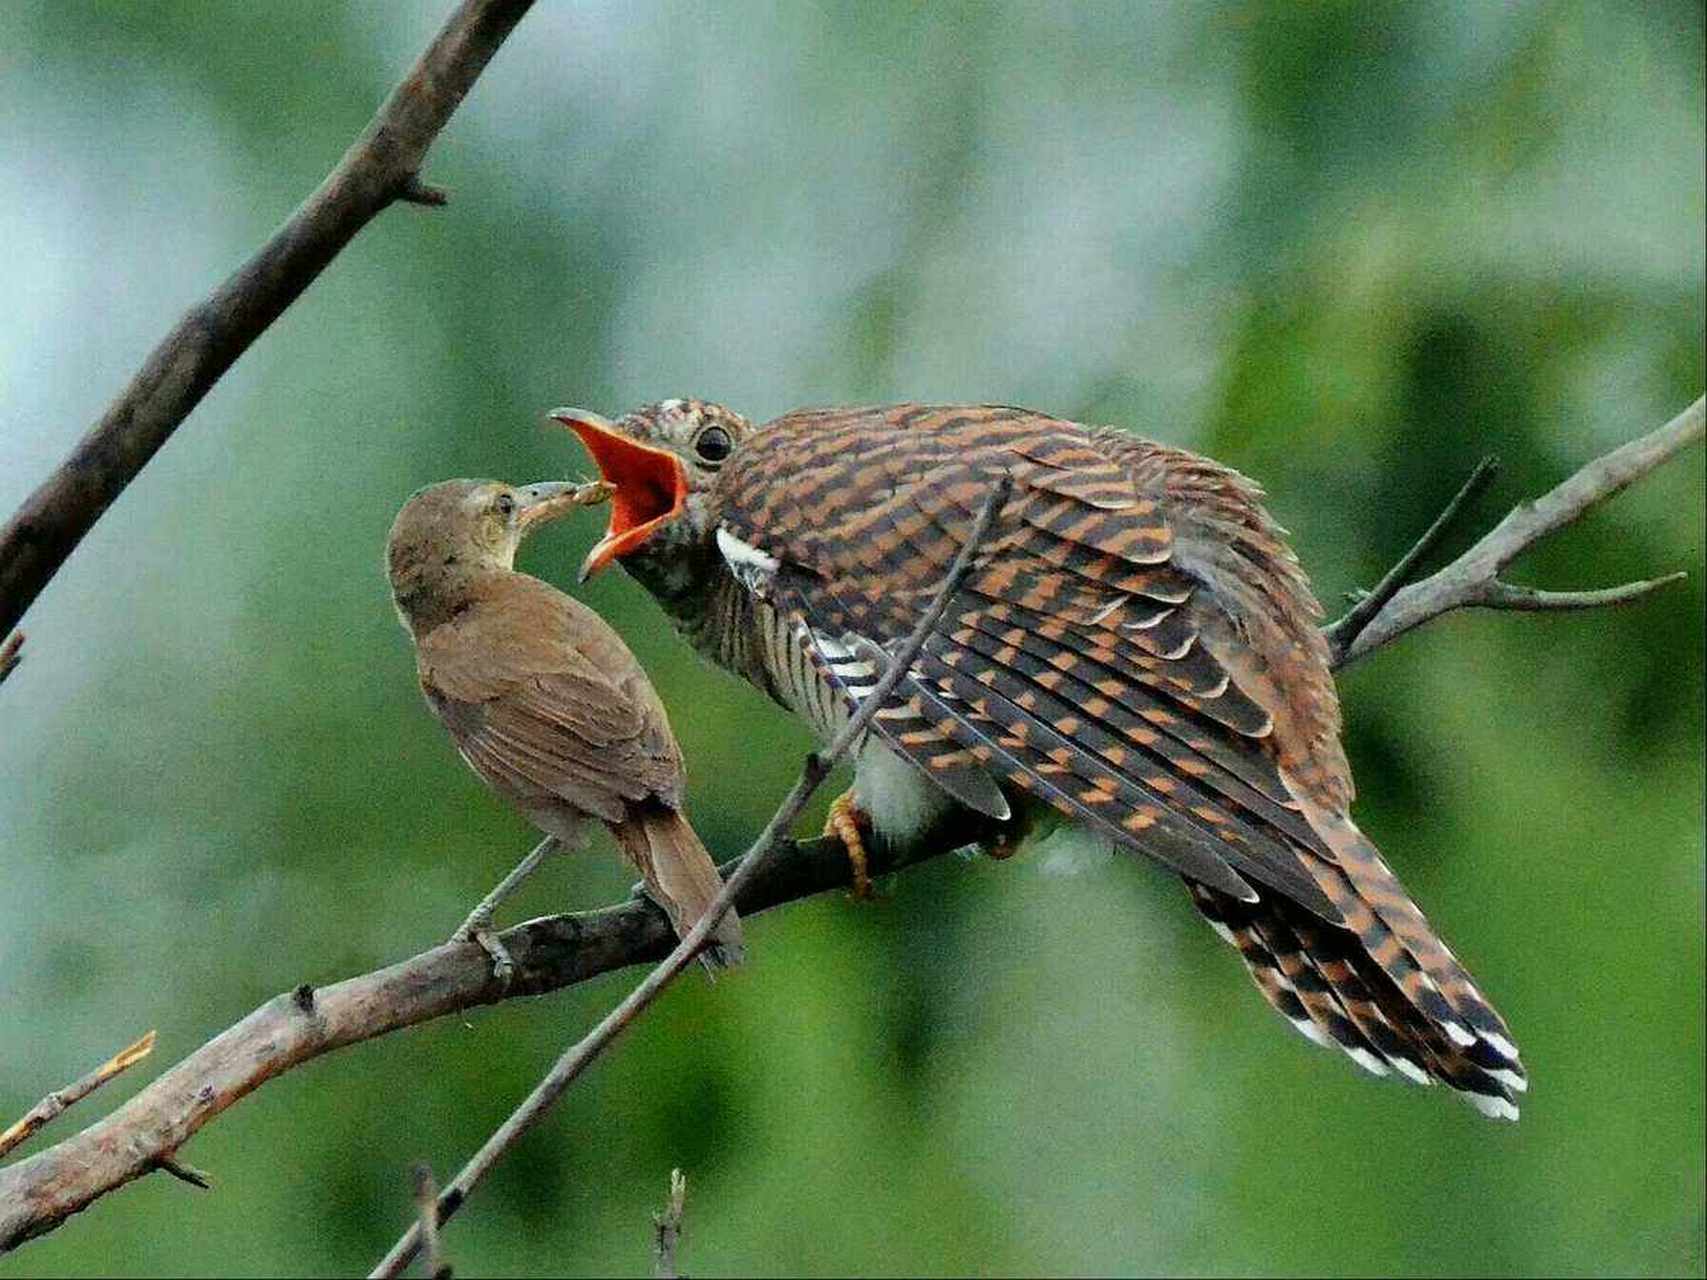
551	500
651	485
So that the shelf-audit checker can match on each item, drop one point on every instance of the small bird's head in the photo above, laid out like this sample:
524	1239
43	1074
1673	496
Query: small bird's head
663	459
450	533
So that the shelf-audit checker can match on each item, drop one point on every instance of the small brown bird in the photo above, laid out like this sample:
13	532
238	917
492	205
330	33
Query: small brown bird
1135	653
543	699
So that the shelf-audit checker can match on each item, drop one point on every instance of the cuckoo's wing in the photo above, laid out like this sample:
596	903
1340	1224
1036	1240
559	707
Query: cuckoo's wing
536	709
1137	646
1069	666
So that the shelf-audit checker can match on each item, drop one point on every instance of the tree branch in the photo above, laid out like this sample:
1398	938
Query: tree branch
667	1229
380	167
553	952
1473	579
52	1106
11	654
427	1211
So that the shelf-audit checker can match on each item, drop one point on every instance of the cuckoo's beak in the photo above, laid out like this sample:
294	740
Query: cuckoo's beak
651	485
551	500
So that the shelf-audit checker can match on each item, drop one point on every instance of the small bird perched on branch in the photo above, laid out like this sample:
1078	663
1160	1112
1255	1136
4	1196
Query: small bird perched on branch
1135	652
542	698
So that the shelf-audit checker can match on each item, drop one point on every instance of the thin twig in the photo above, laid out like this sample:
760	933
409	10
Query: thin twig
1473	581
380	167
1340	634
44	1112
11	654
813	772
183	1172
667	1228
427	1214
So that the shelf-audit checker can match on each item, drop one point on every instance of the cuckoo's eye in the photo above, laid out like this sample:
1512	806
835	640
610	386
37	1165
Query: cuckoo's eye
505	505
713	445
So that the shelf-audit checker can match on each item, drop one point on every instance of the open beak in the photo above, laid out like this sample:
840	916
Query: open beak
543	503
651	485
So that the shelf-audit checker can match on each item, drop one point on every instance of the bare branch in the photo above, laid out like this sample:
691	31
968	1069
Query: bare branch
1503	595
427	1214
816	768
1341	633
381	166
39	1193
45	1111
667	1229
302	1024
184	1172
11	654
1473	579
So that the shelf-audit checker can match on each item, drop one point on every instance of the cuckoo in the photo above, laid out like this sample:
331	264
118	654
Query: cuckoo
543	699
1135	653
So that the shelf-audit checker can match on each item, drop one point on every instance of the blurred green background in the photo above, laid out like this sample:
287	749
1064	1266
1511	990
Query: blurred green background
1348	248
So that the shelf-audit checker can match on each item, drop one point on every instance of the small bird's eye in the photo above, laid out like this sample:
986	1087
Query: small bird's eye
713	444
506	505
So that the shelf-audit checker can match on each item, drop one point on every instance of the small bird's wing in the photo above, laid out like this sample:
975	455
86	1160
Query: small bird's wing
546	703
1071	665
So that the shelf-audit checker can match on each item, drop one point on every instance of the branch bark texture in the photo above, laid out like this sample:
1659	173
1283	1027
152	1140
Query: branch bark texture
39	1193
382	166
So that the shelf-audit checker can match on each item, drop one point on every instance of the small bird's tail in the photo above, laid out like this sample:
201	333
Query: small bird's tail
1384	988
681	878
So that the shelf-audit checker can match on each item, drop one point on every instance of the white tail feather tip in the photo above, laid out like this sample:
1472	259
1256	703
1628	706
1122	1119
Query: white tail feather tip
1493	1108
1500	1045
1411	1072
1368	1061
1511	1080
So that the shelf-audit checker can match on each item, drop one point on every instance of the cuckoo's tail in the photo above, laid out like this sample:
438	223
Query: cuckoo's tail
681	878
1382	987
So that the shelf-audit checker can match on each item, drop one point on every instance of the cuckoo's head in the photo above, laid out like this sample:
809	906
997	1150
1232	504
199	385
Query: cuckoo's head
449	534
663	459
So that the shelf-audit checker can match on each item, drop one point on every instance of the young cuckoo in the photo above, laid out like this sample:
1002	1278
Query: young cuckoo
544	701
1135	651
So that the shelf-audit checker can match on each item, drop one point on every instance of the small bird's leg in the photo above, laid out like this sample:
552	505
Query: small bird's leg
478	927
844	822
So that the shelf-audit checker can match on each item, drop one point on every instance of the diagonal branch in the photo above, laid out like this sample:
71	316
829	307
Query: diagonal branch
55	1104
1473	581
11	654
667	1229
1362	613
770	841
550	953
380	167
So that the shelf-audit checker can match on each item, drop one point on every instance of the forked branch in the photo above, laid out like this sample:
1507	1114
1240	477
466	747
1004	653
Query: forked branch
1473	580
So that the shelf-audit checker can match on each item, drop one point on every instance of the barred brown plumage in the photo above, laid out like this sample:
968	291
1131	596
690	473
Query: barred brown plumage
1136	649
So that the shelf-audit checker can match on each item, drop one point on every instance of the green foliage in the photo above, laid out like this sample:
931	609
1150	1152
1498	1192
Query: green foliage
1348	248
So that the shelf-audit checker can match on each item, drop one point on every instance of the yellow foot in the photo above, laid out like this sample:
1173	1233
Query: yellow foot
844	822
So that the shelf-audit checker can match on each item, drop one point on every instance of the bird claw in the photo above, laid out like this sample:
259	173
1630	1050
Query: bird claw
480	933
844	822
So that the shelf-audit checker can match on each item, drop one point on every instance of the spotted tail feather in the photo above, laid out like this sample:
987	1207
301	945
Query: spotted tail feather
1337	989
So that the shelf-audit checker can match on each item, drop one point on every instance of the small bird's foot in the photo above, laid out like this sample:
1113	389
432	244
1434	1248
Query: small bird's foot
1001	847
478	930
844	822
